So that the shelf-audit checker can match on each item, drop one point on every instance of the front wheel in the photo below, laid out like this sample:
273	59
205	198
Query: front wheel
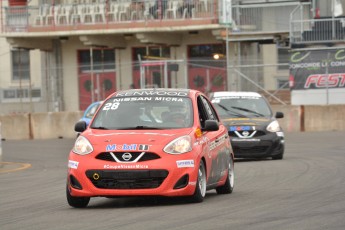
228	187
200	189
76	202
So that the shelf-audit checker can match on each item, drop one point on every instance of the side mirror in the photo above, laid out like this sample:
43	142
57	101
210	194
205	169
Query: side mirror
279	115
211	125
80	126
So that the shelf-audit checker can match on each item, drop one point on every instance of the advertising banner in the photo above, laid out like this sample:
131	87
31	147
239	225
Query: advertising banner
317	69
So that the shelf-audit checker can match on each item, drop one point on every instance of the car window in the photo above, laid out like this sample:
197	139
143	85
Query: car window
145	113
212	115
206	111
242	106
92	110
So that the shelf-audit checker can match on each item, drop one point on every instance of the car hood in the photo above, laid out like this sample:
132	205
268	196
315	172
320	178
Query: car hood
255	121
130	137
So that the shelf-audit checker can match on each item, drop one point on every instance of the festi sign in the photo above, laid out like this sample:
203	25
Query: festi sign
317	69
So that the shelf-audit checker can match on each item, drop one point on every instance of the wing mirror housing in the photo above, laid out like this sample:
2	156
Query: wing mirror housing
279	115
80	126
211	125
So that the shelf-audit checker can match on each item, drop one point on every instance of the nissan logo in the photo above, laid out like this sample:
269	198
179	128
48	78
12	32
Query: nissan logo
126	156
245	133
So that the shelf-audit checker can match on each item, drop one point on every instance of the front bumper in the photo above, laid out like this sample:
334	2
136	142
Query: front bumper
91	177
263	146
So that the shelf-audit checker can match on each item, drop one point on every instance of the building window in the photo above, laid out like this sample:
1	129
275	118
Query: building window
20	65
149	53
283	58
204	55
24	93
103	60
152	52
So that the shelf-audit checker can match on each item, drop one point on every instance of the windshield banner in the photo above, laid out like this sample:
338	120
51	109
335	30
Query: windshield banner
317	69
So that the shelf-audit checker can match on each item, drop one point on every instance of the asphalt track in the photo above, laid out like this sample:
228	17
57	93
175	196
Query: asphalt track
306	190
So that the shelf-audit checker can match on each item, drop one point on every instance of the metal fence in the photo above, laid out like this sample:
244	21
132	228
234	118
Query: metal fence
268	17
308	28
270	80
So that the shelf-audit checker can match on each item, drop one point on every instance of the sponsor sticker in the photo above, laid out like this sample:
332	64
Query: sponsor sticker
126	147
73	164
241	128
185	164
175	93
245	140
127	166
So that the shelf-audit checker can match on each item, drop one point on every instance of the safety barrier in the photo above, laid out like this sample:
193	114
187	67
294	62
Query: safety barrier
61	124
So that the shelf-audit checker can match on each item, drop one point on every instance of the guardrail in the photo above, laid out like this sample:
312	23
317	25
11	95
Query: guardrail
324	30
306	27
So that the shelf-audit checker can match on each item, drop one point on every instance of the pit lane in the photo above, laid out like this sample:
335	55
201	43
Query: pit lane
305	190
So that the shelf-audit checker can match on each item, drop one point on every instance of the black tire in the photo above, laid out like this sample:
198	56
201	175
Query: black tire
228	187
77	202
200	188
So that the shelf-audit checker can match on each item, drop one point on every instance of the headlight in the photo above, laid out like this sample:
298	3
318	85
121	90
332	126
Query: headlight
82	146
273	127
179	145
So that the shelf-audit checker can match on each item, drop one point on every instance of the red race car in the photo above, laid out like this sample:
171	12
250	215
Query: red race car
144	142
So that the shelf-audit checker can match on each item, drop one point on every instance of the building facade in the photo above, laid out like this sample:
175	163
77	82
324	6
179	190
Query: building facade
61	55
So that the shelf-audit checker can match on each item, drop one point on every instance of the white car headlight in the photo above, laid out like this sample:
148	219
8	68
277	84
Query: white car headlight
179	145
82	146
273	127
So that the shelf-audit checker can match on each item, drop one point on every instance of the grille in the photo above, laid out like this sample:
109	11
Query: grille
250	150
106	156
127	179
258	133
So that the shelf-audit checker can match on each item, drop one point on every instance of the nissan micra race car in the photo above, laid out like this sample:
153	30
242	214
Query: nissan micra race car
253	128
151	142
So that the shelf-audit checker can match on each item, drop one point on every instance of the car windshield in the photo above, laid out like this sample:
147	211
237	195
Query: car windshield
242	107
91	111
127	113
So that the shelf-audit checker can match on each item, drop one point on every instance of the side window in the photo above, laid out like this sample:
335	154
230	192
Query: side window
202	112
212	115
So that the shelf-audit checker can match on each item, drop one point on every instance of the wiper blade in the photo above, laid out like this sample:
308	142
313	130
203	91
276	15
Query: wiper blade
99	127
230	112
247	110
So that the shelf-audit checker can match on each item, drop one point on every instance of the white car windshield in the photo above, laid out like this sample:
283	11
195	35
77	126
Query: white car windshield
242	107
144	113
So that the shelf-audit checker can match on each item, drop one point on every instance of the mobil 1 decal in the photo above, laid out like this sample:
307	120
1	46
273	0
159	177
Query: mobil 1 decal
317	69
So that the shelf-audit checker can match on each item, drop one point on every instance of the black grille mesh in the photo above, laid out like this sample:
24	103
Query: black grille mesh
127	179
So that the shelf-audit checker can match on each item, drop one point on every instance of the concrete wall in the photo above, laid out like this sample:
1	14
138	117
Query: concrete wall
324	118
39	125
61	124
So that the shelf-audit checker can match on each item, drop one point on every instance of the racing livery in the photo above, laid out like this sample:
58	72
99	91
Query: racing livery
143	142
254	131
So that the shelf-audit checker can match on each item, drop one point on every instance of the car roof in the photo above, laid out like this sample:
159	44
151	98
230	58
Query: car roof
235	93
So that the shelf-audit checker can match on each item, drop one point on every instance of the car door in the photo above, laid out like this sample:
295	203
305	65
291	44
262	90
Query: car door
216	159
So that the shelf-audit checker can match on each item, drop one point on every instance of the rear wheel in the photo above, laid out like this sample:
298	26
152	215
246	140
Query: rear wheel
76	202
228	187
200	189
